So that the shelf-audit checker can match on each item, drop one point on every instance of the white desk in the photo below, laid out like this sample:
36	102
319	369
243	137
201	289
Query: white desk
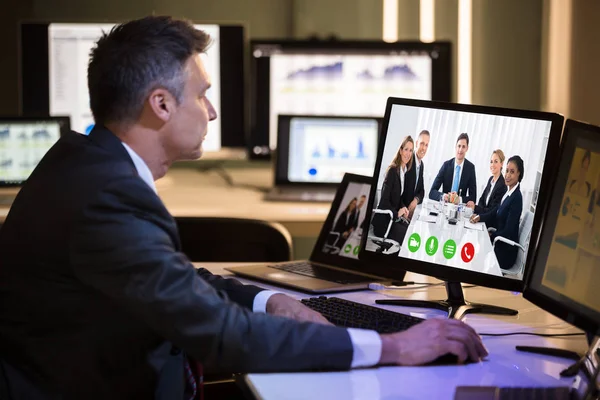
504	367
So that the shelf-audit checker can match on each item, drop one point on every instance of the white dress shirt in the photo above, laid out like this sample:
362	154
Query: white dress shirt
402	173
366	344
509	192
492	184
418	169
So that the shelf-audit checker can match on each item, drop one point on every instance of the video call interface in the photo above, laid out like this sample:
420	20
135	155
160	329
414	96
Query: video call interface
349	223
324	149
22	146
571	268
69	50
468	215
329	84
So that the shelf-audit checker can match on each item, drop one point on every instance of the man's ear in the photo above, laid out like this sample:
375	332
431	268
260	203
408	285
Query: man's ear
162	103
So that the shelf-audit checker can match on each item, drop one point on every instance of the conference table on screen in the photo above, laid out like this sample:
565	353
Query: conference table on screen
432	238
505	366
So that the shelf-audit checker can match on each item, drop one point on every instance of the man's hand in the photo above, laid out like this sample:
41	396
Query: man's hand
285	306
471	205
403	212
474	219
445	196
431	339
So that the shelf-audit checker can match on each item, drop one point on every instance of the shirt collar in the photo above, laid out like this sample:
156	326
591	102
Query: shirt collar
141	167
455	162
511	191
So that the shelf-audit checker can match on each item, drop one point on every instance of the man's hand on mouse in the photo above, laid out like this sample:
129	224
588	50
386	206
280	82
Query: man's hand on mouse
433	338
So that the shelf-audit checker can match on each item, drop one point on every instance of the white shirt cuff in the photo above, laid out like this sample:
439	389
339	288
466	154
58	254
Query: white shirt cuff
260	301
367	347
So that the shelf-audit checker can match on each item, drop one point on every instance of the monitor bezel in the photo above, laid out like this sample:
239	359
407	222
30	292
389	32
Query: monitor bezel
573	312
452	274
63	122
282	154
259	141
34	81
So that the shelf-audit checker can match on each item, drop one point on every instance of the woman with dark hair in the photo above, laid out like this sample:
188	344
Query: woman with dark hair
495	187
579	185
391	194
505	217
345	222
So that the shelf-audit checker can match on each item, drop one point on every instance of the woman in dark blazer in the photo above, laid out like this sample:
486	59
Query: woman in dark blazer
506	216
391	193
345	222
495	187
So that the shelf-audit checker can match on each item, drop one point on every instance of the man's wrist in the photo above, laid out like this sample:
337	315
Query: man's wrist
390	350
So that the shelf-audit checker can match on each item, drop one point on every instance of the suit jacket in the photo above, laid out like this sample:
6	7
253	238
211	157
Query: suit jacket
391	199
410	189
505	218
96	300
467	185
344	223
497	193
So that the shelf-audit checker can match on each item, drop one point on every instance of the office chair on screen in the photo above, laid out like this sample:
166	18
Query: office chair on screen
213	239
525	226
382	242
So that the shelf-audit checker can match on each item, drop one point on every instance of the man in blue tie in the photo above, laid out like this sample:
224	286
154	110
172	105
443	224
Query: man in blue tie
456	175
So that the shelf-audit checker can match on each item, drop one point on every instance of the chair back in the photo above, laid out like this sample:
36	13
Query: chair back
213	239
525	227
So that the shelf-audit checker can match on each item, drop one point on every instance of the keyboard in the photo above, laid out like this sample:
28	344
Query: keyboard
513	393
316	271
349	314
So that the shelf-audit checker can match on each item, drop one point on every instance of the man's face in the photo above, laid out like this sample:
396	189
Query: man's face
189	123
422	145
361	202
461	149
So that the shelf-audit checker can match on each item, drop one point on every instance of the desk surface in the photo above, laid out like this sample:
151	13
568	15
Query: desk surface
504	367
191	192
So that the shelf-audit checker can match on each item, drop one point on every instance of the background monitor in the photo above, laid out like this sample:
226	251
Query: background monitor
439	240
23	143
339	78
565	274
321	149
53	72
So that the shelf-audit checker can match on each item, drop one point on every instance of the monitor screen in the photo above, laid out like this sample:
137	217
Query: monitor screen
54	60
566	273
323	149
340	78
23	143
344	235
460	189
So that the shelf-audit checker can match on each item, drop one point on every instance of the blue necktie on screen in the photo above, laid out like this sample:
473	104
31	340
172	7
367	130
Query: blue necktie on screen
456	178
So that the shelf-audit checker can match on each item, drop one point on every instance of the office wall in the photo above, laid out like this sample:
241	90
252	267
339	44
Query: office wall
585	61
507	42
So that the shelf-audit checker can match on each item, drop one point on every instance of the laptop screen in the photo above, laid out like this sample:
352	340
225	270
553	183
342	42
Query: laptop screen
323	149
343	238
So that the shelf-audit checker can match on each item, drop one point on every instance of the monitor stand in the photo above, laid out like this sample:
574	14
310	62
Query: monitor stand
456	306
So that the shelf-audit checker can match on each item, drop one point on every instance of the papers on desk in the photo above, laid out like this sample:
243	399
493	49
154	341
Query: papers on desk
432	219
477	227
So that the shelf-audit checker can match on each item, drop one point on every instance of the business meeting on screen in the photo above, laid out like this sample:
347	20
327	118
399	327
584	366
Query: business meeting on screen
456	188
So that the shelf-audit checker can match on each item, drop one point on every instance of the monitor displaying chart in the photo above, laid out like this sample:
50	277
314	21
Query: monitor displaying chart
324	149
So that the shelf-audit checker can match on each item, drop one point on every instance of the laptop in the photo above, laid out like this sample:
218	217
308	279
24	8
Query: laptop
314	152
333	265
23	143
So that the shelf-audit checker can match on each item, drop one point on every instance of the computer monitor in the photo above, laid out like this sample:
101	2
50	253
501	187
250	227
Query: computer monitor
339	78
565	275
321	149
503	151
53	77
23	143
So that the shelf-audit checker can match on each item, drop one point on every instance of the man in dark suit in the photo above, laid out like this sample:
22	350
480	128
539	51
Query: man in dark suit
361	202
414	192
96	299
456	175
